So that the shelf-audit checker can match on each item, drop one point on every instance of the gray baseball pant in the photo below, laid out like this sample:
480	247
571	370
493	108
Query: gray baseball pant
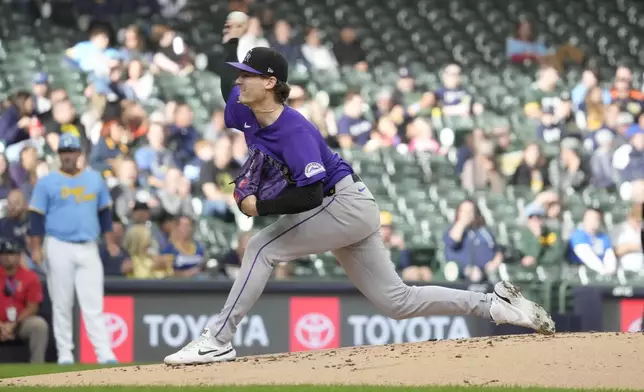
347	223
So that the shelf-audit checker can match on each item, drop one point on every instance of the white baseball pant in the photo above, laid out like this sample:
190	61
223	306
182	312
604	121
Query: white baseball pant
68	266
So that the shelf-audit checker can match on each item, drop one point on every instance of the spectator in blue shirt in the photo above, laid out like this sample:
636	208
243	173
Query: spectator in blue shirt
183	135
592	247
470	244
89	56
110	146
354	128
188	255
453	98
155	159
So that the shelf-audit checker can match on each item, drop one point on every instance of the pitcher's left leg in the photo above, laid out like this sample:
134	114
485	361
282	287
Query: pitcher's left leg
368	266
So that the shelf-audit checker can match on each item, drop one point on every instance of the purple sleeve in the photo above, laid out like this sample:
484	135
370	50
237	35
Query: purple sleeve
303	158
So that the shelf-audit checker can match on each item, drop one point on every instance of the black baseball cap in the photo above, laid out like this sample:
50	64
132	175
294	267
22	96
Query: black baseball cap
264	61
8	246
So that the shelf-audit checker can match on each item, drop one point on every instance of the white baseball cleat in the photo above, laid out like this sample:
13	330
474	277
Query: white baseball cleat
202	350
510	307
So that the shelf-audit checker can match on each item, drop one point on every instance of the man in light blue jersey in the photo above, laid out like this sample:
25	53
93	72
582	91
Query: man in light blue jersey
69	210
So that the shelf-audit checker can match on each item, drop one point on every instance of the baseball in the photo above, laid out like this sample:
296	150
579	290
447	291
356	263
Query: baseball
237	17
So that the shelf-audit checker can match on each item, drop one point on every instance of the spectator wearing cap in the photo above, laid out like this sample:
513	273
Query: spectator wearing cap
13	226
318	55
282	41
20	299
471	245
141	215
592	247
183	135
549	130
627	236
111	145
406	93
538	244
354	127
452	98
216	179
571	170
532	172
40	90
601	160
348	51
120	264
154	159
188	255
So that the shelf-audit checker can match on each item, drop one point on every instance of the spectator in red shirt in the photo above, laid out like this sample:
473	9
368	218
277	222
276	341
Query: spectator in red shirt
20	298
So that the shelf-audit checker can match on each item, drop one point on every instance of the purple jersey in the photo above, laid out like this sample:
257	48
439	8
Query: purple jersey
292	141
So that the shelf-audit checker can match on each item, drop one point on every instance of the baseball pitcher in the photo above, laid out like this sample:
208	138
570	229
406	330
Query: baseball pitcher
69	209
292	172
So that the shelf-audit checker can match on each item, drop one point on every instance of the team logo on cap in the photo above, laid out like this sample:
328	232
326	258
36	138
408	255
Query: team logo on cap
247	58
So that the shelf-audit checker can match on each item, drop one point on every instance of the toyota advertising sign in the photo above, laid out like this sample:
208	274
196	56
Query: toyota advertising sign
145	327
164	324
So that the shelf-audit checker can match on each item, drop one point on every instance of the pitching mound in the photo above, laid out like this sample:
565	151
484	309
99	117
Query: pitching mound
610	360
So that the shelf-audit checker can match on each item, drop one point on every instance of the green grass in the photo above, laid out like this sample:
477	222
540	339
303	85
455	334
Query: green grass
20	370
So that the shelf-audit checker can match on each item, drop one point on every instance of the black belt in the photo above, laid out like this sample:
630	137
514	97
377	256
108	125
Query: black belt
331	192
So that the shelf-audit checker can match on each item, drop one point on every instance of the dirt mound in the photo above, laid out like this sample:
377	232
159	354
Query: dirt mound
611	360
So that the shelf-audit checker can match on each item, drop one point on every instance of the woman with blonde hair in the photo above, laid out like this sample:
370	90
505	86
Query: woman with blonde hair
145	265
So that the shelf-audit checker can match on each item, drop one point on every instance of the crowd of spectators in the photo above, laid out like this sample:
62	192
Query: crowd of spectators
165	171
